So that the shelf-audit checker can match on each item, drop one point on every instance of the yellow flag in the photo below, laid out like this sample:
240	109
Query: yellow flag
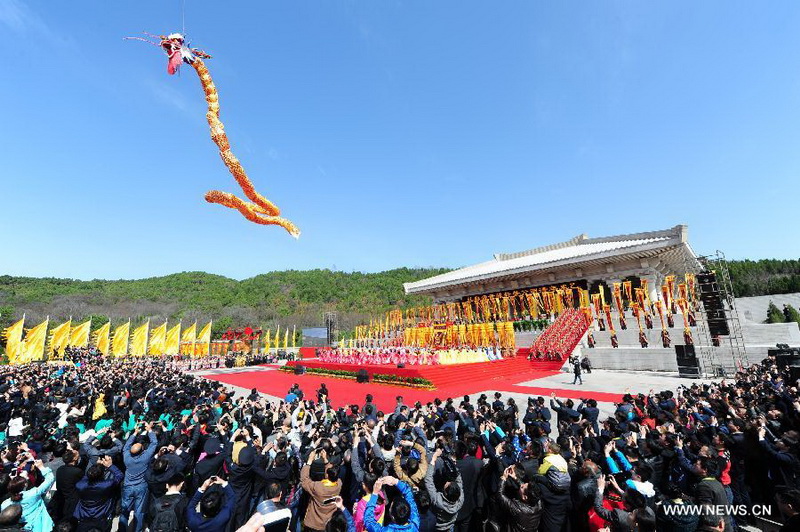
139	340
59	337
294	335
79	336
14	343
120	344
188	338
158	340
173	342
286	338
267	341
102	337
35	342
204	340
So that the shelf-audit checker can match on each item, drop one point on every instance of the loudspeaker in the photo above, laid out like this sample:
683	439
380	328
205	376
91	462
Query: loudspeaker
785	357
299	369
688	365
362	376
711	298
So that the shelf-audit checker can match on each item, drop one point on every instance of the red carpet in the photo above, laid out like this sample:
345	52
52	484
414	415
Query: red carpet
446	376
344	391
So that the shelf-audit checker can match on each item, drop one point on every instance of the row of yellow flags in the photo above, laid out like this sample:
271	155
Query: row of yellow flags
143	341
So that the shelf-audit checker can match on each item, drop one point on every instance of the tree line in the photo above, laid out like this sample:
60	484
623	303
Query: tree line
285	298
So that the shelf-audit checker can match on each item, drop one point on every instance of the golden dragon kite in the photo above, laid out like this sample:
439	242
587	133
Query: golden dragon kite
259	209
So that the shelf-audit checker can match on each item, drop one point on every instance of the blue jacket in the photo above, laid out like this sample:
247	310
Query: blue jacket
34	512
198	523
372	525
136	466
97	501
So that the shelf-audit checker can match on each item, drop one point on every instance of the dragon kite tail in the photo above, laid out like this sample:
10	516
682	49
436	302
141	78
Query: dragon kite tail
261	210
252	212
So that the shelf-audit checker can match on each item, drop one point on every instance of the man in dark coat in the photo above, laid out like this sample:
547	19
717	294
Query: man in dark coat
68	475
211	464
97	495
519	503
576	369
470	468
709	490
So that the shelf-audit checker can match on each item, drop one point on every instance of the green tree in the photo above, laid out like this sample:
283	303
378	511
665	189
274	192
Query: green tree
774	315
790	314
6	316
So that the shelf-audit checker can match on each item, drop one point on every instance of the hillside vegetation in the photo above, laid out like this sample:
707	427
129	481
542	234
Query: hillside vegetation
287	298
277	298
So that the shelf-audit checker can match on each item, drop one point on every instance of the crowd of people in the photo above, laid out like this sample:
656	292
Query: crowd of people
145	445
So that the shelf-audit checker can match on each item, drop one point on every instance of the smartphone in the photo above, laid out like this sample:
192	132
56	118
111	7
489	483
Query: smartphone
329	501
213	478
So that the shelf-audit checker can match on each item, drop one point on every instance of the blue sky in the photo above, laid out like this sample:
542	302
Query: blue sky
409	133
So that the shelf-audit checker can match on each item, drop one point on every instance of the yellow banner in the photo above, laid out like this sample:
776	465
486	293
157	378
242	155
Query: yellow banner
79	336
286	338
139	340
172	345
120	344
14	343
102	337
158	340
35	342
188	338
59	338
203	346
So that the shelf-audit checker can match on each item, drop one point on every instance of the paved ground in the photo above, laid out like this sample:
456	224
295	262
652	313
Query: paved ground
599	381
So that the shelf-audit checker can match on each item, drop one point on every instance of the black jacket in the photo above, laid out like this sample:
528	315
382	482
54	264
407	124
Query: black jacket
710	491
208	467
470	469
65	498
555	506
518	516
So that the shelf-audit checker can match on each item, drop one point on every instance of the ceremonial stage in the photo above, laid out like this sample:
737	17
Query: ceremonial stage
443	375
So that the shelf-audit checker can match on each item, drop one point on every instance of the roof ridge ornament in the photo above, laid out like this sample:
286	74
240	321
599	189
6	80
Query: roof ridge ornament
574	241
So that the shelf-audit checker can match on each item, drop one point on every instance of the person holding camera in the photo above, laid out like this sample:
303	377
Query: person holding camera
134	487
448	501
97	495
402	510
323	487
211	507
30	497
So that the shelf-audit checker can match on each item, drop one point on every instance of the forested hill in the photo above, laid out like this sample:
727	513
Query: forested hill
276	298
285	298
764	277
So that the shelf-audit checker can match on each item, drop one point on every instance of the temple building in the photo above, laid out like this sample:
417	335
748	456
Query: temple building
584	261
595	264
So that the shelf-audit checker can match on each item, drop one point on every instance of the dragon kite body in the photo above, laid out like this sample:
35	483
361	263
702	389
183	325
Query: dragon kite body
259	209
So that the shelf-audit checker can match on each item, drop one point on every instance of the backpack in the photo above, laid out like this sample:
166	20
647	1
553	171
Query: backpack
165	519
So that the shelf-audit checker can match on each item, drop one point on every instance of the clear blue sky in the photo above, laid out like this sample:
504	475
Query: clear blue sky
411	133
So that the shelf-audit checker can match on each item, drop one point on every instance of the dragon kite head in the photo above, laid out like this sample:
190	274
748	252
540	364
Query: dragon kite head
174	45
